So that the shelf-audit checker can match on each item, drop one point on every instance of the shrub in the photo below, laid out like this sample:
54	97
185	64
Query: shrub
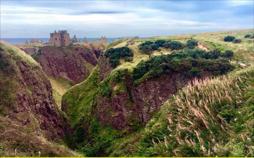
114	55
229	38
237	41
193	62
249	36
174	45
228	54
160	43
192	43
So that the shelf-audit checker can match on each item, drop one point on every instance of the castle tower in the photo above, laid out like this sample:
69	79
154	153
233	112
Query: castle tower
60	38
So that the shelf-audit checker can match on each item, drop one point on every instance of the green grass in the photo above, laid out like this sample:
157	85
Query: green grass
80	98
197	121
17	54
208	118
60	87
20	130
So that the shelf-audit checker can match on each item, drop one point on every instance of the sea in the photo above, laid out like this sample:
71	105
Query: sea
23	40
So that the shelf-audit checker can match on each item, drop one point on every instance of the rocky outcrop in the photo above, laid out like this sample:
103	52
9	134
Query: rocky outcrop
28	109
137	104
71	63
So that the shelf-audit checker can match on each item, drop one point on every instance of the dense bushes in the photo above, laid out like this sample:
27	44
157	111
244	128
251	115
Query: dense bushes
191	62
115	54
229	38
192	43
232	39
149	46
249	36
174	45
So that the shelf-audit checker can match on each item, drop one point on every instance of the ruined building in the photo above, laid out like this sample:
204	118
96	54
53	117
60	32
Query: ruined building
60	38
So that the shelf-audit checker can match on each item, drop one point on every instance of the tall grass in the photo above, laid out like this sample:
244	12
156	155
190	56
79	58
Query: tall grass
203	116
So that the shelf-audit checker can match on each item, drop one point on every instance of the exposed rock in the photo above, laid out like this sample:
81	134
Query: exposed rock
27	104
137	105
68	63
72	63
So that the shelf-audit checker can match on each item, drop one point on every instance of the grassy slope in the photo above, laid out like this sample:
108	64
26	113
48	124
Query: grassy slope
59	86
156	138
243	51
211	117
17	54
13	135
82	95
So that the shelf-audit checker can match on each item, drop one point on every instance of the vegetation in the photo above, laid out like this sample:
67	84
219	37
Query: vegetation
229	38
174	45
199	122
189	62
204	118
115	54
232	39
237	41
21	134
192	43
249	36
90	136
148	47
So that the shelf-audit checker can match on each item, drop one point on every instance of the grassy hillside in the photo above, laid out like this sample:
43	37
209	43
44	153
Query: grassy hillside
23	84
210	117
243	51
202	118
59	86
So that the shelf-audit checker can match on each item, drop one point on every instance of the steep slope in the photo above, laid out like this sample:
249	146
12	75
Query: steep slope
70	63
115	103
213	117
66	66
30	123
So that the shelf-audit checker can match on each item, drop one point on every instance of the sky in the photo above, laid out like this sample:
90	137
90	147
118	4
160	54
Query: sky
122	18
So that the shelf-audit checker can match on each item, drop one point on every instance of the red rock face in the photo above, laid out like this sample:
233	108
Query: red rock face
136	106
66	62
34	96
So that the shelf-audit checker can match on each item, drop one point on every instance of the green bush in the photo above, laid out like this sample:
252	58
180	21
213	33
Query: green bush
229	38
228	54
249	36
148	46
192	43
115	54
192	62
174	45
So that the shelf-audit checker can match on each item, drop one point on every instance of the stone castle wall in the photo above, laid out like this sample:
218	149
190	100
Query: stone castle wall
60	38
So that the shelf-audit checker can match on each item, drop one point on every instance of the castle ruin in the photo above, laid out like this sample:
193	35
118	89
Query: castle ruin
60	38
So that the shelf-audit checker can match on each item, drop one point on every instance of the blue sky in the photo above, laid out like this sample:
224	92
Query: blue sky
118	18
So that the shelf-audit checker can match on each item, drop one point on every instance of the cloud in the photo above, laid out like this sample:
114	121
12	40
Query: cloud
116	18
240	2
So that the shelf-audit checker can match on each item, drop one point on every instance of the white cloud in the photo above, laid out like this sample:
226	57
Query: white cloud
240	2
111	18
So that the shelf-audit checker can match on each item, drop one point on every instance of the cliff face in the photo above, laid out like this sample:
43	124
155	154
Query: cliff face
30	120
137	104
71	63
